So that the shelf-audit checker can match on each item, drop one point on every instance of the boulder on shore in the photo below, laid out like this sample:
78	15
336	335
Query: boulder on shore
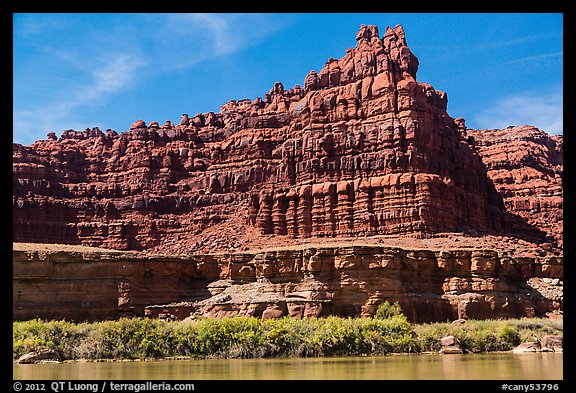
41	355
450	345
552	342
527	347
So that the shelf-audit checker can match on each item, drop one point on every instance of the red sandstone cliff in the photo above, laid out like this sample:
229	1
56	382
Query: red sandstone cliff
361	149
526	166
349	280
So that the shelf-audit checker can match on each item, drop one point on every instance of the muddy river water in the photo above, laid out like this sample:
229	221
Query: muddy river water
490	366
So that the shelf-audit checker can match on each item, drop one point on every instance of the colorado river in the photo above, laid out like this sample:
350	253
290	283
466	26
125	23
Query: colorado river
490	366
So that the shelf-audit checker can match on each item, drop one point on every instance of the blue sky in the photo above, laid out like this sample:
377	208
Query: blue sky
73	71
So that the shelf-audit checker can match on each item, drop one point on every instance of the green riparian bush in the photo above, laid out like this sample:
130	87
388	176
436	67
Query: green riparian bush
249	337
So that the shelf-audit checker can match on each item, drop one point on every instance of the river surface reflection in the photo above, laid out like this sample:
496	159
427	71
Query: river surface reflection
491	366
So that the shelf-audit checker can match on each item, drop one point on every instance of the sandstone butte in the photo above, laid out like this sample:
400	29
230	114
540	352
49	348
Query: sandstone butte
326	198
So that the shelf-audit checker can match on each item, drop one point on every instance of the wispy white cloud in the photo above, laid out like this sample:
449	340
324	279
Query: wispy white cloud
114	54
488	44
118	73
29	26
542	110
61	112
533	58
497	50
223	42
187	39
30	125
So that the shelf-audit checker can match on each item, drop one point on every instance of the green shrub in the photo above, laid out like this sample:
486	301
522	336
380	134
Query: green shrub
485	335
387	310
429	335
243	337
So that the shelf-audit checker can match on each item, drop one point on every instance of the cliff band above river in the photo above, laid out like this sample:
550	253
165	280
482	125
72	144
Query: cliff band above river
347	280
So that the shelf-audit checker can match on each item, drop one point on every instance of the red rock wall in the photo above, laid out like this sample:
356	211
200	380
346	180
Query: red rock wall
362	148
526	166
347	281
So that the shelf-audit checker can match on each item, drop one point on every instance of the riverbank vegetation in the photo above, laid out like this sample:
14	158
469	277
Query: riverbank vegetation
249	337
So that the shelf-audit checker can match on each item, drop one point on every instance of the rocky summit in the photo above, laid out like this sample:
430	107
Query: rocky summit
362	150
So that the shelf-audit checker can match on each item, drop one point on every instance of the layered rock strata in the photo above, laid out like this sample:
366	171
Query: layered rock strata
349	280
362	148
526	166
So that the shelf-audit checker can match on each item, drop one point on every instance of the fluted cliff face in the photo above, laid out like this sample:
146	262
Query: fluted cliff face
526	166
361	149
347	280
